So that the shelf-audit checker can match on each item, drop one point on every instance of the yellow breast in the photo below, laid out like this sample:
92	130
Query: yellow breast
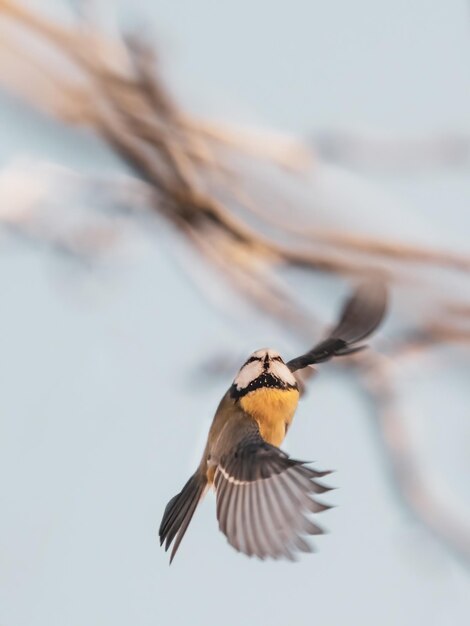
273	409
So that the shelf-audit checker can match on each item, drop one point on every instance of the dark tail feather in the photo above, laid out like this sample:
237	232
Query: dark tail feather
179	512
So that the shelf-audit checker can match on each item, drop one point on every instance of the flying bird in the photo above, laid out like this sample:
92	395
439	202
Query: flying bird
264	497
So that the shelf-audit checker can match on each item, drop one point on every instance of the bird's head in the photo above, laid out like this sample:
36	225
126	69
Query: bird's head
263	368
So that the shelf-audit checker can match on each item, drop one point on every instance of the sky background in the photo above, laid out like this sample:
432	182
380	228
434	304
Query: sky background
102	412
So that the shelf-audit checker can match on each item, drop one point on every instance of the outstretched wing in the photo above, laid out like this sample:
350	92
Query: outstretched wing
360	316
264	498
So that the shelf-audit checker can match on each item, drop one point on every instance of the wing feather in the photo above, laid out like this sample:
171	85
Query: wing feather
264	499
360	316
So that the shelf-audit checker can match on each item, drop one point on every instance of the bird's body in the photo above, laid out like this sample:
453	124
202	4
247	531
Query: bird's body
273	410
267	391
265	498
271	407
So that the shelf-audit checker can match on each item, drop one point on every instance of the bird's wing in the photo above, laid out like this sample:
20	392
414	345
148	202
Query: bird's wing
360	316
264	498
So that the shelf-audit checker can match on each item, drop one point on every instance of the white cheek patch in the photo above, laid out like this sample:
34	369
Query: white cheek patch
248	373
281	371
251	371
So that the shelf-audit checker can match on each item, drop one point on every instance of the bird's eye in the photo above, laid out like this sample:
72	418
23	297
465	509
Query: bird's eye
278	358
251	359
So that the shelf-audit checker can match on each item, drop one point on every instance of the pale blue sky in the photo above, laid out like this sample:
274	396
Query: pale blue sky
101	416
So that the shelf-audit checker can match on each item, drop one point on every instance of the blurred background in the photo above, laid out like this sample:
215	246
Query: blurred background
182	183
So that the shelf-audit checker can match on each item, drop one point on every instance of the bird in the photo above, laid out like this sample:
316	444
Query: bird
264	498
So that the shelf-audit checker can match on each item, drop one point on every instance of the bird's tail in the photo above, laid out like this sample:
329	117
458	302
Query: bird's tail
179	512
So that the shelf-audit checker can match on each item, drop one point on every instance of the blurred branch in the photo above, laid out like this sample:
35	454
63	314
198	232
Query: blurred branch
391	153
417	490
190	169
